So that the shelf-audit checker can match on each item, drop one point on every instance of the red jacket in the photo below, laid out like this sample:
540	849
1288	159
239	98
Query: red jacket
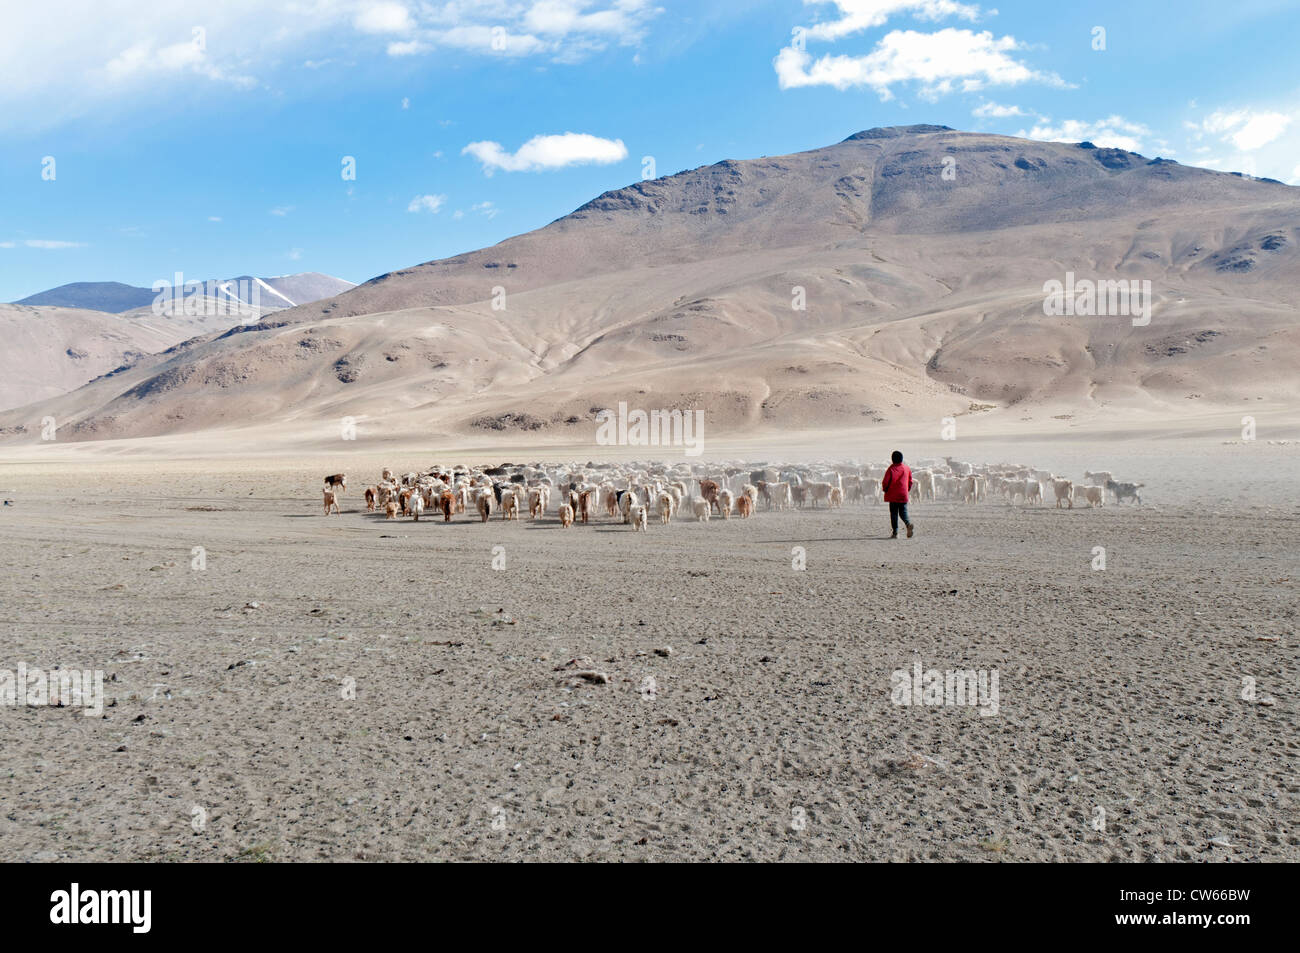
897	482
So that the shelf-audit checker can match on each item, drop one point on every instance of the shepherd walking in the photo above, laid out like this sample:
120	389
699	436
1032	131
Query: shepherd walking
897	484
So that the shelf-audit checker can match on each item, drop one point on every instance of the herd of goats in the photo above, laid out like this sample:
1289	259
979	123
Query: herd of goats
632	492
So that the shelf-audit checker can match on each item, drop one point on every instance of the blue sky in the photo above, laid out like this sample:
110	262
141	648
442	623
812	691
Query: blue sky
209	138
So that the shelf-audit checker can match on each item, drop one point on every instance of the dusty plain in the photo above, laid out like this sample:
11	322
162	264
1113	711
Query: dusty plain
349	688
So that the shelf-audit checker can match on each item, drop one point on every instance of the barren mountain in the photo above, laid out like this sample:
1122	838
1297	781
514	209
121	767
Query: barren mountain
50	351
921	254
111	296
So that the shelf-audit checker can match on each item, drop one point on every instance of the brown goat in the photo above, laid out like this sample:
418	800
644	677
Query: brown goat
709	492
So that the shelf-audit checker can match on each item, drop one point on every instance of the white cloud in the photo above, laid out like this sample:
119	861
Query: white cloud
114	53
858	15
566	30
1246	129
1114	132
49	243
490	38
1257	140
989	110
624	19
426	203
295	254
383	17
548	152
143	59
943	61
214	218
486	209
282	210
406	48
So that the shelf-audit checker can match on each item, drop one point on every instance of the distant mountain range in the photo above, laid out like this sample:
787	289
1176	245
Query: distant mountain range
113	297
59	339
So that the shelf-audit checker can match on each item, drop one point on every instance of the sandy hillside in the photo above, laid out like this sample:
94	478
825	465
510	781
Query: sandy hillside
770	732
924	299
49	351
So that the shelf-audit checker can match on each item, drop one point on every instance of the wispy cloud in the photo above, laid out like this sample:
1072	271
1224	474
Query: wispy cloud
1247	129
47	243
406	48
548	152
859	15
144	58
566	30
282	210
426	203
134	55
1114	132
1254	139
989	110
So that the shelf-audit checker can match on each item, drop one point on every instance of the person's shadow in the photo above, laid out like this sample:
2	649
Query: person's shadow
825	539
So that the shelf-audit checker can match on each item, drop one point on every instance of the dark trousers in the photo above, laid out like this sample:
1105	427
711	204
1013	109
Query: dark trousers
895	511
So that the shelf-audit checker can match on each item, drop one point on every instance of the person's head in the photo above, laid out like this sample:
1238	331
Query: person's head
896	456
